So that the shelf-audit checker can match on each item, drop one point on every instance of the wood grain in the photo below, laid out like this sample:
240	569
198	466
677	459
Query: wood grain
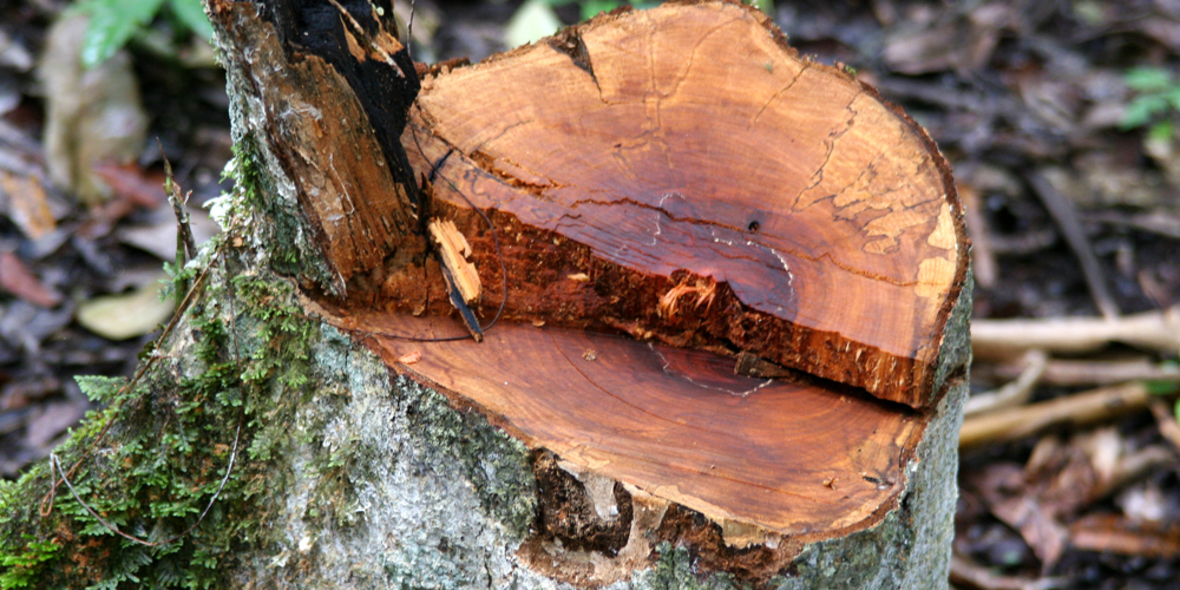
791	458
686	147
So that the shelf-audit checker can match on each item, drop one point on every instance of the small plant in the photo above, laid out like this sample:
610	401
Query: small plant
114	22
1158	96
1167	388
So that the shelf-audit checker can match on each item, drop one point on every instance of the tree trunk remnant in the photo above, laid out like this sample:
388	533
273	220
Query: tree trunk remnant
732	351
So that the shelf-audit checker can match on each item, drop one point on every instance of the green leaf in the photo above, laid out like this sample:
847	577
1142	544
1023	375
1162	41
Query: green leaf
1161	131
190	14
1162	387
766	6
591	8
1142	110
1148	79
112	23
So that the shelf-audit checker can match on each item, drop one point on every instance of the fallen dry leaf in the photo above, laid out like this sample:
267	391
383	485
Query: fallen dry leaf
1113	534
28	205
92	114
15	278
119	317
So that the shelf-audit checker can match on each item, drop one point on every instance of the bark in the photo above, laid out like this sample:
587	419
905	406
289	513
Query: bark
553	454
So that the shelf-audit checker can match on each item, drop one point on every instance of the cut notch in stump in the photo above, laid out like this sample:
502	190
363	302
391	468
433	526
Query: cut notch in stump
682	176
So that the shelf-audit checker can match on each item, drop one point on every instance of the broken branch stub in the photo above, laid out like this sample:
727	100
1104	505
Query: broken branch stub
682	175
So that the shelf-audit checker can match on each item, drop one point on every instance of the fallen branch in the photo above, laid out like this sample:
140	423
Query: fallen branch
1082	373
1078	409
1004	339
1062	211
1014	393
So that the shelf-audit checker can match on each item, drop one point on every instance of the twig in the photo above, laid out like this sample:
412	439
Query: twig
1086	372
963	571
1062	211
1024	244
1004	339
1165	418
1149	542
1157	221
184	230
1014	393
982	255
1081	408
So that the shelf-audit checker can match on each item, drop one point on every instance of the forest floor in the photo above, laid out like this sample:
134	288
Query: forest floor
1059	118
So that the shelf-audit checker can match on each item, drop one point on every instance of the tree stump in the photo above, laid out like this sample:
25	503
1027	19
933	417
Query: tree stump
730	288
731	285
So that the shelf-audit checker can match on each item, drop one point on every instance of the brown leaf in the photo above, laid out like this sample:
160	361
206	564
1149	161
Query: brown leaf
15	278
133	184
1010	499
28	205
1108	533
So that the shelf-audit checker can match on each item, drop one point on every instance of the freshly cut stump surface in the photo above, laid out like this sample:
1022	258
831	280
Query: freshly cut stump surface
789	458
681	175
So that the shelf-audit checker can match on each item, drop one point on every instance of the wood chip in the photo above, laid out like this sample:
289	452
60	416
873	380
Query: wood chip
454	249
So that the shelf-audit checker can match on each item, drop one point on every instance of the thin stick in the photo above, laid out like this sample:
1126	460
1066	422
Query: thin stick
1062	211
1081	408
1014	393
1004	339
964	571
1165	418
1088	372
183	228
982	255
410	33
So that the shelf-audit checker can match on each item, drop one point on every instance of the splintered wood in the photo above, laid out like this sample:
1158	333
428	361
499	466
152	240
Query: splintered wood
454	250
708	188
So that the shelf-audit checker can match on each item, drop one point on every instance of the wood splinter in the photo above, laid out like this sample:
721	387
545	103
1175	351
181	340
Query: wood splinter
461	277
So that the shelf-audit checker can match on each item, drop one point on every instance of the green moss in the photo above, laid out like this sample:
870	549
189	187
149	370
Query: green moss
154	458
23	565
